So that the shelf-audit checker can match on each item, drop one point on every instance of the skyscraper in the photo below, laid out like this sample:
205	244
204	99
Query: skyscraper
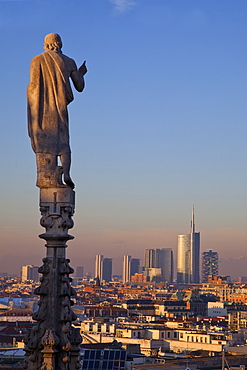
188	258
107	269
210	264
134	266
29	272
163	259
130	268
98	266
150	258
126	269
165	262
103	268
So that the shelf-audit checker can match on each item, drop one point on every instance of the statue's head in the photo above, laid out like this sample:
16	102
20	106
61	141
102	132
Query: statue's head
53	42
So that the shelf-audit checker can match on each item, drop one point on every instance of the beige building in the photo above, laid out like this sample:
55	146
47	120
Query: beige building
151	337
29	272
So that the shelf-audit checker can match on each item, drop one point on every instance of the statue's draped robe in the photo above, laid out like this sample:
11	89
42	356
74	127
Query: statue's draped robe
49	93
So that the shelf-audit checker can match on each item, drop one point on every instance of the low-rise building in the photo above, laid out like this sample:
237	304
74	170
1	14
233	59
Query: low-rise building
150	336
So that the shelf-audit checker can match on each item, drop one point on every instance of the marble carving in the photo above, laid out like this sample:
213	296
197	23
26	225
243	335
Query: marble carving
49	92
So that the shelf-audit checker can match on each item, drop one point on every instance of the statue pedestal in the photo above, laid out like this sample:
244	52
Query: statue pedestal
57	207
53	341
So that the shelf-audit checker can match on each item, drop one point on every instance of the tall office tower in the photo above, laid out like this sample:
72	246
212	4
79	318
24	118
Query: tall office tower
35	273
29	272
150	258
126	269
107	269
98	266
164	258
188	258
210	264
160	258
134	266
79	271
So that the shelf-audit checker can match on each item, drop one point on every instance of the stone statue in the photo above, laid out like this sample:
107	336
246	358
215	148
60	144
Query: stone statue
49	92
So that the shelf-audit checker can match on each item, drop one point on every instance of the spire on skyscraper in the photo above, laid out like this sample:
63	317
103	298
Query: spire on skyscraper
192	228
188	256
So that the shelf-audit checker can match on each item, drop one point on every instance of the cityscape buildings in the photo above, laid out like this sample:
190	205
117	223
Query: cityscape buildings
210	264
158	264
130	267
103	268
153	273
107	269
98	266
29	272
126	269
160	258
146	320
188	255
150	258
134	266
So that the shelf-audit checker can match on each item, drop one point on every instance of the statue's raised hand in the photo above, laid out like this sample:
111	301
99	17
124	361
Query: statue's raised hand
83	68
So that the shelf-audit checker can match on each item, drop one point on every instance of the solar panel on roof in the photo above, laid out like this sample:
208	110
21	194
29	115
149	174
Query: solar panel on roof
108	359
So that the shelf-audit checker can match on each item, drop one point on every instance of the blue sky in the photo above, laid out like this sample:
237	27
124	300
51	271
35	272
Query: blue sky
161	124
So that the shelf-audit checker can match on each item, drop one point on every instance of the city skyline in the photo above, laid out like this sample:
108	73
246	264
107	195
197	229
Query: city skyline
154	258
161	124
117	266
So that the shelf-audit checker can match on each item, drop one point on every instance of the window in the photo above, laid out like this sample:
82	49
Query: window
181	335
168	334
162	334
175	334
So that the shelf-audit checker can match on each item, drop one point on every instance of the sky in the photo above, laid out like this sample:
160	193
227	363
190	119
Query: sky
160	125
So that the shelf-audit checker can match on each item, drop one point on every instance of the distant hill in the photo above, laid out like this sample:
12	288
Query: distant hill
235	266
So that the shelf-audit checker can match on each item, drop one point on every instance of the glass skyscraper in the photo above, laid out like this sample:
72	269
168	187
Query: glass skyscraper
103	268
188	256
130	267
163	259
